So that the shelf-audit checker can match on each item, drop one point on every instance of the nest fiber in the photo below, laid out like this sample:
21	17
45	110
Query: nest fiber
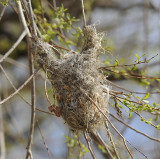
74	75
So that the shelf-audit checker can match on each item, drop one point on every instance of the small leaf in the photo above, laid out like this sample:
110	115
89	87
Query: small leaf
146	96
116	63
137	57
154	105
129	116
130	94
158	126
126	103
145	101
156	118
148	61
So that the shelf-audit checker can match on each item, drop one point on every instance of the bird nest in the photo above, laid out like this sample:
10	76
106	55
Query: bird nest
75	77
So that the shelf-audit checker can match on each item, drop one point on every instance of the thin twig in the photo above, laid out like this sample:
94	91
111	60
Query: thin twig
13	7
137	150
28	103
22	18
138	114
89	146
14	46
33	84
139	132
8	78
104	144
84	17
49	155
25	4
21	87
33	101
54	3
134	64
124	140
14	62
115	85
45	87
138	76
2	12
2	138
42	14
111	140
32	18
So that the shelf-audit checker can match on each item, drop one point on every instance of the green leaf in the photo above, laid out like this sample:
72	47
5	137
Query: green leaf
4	3
146	96
144	82
137	57
154	105
102	149
145	101
148	61
126	103
130	94
116	63
158	127
129	116
156	118
134	68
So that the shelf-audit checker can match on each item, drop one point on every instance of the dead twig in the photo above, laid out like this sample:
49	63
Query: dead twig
33	100
33	90
84	17
2	12
134	64
49	155
28	103
139	132
2	138
20	88
14	62
104	144
135	92
111	140
15	9
45	88
138	76
89	146
14	46
22	18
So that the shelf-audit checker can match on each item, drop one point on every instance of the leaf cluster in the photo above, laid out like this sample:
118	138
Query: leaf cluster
73	143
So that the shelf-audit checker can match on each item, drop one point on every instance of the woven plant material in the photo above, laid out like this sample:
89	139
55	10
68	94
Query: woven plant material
71	76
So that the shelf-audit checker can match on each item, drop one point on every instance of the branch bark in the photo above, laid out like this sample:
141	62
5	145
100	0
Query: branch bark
2	138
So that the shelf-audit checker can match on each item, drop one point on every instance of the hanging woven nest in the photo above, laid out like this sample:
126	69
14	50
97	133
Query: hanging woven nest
74	75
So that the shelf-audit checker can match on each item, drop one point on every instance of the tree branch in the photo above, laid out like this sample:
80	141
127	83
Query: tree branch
20	88
33	90
49	155
111	140
14	46
139	132
2	138
22	18
2	12
89	146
